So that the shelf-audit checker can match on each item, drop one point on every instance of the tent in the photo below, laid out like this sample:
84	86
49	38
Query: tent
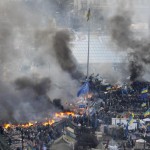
140	141
139	144
112	147
146	119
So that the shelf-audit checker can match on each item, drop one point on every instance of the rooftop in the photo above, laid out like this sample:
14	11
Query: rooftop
101	49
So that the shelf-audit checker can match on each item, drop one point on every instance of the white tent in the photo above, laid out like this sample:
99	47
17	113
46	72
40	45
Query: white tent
146	119
139	144
113	147
140	141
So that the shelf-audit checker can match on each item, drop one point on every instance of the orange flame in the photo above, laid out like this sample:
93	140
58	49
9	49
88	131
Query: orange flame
27	125
49	122
6	126
64	114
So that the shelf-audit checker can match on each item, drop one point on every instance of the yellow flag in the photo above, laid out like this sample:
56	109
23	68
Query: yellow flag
88	15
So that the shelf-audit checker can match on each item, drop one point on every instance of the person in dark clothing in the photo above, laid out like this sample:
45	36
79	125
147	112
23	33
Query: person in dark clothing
1	130
9	141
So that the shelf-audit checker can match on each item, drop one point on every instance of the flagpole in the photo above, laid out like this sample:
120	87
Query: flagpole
88	54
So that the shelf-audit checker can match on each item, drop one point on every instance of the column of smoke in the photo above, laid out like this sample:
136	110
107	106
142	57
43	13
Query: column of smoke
36	63
122	34
137	48
98	20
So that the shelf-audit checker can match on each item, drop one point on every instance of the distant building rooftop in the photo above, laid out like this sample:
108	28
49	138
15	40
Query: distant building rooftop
101	49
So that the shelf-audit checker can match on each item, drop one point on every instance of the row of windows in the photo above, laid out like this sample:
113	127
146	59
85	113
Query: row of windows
101	50
100	60
109	3
83	57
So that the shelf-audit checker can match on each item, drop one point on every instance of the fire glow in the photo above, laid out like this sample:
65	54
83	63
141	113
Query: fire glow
59	115
64	114
49	122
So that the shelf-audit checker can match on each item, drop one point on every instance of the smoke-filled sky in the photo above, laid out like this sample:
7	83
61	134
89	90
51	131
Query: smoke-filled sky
127	23
36	62
134	42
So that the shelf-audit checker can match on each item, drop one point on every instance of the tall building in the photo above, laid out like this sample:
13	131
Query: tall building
102	52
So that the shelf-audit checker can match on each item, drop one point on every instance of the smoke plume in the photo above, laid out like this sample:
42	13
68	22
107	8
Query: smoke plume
64	54
137	48
36	63
39	86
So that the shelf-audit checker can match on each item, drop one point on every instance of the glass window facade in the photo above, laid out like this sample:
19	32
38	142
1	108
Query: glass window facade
101	50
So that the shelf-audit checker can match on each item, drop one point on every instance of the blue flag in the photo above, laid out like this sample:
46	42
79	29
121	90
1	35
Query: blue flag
144	96
84	89
144	90
124	92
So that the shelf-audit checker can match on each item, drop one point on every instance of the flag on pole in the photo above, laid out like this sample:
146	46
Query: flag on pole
88	15
131	119
84	89
144	90
147	113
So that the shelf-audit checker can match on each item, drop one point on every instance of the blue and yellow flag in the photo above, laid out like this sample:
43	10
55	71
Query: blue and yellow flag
147	113
88	14
84	89
144	90
131	119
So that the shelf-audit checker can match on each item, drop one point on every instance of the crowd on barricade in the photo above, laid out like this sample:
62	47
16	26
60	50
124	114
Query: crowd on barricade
119	101
108	101
133	97
36	137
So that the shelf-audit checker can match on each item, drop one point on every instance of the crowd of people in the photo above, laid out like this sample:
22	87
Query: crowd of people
121	97
35	137
108	101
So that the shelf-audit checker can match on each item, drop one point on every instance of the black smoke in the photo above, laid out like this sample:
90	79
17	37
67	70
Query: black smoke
136	70
57	103
34	58
39	86
138	49
64	54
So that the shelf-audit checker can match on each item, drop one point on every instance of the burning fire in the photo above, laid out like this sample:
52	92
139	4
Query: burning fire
27	125
64	114
49	122
59	115
6	126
